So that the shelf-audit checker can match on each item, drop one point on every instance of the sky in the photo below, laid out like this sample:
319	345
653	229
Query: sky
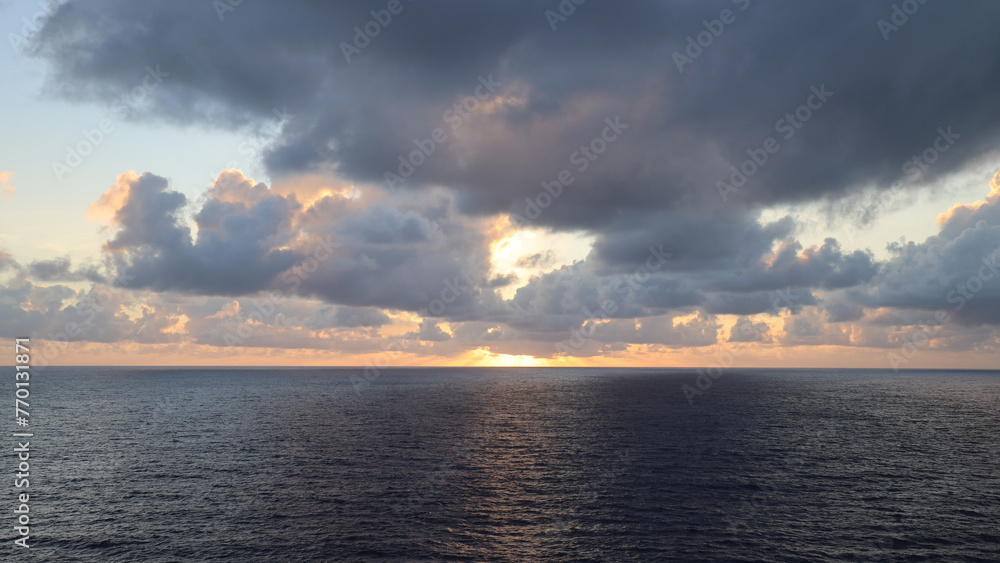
523	183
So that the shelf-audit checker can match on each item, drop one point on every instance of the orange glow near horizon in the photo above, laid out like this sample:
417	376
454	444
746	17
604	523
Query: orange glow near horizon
635	356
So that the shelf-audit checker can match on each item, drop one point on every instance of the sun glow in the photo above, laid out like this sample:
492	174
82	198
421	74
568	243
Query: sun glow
484	358
531	252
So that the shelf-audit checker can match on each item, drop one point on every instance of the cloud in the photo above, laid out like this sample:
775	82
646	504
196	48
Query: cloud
346	317
106	207
810	330
7	260
536	260
230	310
7	190
60	269
60	314
229	255
825	267
964	216
412	254
746	330
429	332
955	271
556	89
588	129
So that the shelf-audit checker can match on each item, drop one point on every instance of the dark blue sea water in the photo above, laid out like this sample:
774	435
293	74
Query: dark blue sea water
483	464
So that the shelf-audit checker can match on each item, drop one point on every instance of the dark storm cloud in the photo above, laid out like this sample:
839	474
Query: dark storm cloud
609	59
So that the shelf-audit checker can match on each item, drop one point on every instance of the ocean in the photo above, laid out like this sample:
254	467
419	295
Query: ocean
507	464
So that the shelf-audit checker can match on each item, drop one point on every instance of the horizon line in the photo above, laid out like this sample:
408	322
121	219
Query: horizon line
694	368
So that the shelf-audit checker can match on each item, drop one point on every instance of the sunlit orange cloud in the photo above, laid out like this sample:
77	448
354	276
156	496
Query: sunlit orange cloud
965	209
228	311
104	209
234	186
230	185
308	189
6	188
